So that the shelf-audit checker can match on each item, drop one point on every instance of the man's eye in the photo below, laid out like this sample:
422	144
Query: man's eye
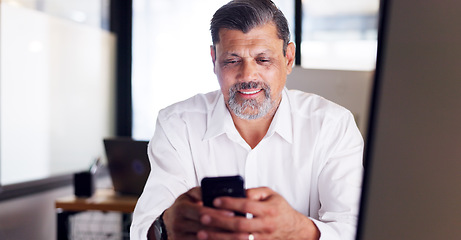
231	61
264	60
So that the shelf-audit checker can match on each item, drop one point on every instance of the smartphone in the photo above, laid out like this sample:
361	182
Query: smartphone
213	187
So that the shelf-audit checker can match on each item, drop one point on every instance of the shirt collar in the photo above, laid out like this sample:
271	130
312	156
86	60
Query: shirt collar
282	122
221	122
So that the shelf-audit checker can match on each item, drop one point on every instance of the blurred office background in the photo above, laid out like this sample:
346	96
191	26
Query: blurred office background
76	71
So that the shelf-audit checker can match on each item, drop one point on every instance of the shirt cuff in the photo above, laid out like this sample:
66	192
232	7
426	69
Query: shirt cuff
140	232
326	232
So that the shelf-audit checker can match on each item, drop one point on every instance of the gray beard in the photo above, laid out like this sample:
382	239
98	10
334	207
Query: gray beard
239	109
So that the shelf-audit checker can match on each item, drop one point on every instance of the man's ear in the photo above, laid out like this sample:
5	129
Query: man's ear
290	56
213	56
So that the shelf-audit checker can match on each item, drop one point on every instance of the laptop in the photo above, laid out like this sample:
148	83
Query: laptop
128	164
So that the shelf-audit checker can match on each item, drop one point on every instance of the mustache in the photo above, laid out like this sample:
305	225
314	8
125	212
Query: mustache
250	85
246	85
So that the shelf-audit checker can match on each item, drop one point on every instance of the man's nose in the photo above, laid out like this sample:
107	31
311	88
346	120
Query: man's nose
248	71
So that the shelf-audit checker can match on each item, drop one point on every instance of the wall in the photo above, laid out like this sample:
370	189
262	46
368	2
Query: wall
57	98
34	216
31	217
351	89
57	89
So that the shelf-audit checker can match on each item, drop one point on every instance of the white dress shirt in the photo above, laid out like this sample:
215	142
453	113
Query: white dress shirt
311	155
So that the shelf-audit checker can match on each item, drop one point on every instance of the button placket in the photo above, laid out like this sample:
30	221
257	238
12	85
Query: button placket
251	170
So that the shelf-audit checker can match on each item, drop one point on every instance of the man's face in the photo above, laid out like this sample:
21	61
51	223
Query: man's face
252	70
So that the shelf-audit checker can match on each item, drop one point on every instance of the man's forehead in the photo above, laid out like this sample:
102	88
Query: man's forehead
260	39
268	30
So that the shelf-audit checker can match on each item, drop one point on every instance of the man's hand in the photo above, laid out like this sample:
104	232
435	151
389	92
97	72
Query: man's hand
273	218
182	219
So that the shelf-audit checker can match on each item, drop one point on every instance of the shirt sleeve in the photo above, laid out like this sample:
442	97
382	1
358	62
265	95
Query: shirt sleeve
167	179
340	179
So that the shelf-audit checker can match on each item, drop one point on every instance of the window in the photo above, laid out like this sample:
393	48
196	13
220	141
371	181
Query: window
339	34
56	87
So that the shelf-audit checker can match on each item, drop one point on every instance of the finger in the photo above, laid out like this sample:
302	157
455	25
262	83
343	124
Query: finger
259	194
189	204
239	224
206	235
194	212
195	194
182	236
233	224
243	205
184	208
216	211
186	226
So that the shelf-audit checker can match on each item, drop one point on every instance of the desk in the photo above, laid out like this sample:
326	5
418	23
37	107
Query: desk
102	200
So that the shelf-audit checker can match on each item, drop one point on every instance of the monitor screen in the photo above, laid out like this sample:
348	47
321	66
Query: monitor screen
412	183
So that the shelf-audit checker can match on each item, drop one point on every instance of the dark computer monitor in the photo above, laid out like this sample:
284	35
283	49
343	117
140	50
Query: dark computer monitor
412	184
128	164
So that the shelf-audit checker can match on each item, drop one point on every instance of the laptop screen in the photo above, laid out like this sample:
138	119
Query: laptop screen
128	164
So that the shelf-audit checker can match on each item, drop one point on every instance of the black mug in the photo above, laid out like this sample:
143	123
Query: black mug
83	184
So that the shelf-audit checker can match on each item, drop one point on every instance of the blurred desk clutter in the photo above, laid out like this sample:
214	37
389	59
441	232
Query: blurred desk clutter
101	200
105	213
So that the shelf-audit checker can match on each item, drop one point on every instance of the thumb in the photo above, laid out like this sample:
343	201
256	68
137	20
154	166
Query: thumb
259	194
194	194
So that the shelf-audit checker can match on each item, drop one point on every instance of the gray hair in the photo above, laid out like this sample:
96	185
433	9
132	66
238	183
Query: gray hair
244	15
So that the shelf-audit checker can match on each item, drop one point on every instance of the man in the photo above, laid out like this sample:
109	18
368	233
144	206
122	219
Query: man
300	155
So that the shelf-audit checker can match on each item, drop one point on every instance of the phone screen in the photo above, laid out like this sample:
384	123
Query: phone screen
213	187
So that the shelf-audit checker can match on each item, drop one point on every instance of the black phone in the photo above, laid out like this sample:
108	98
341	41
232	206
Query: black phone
213	187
